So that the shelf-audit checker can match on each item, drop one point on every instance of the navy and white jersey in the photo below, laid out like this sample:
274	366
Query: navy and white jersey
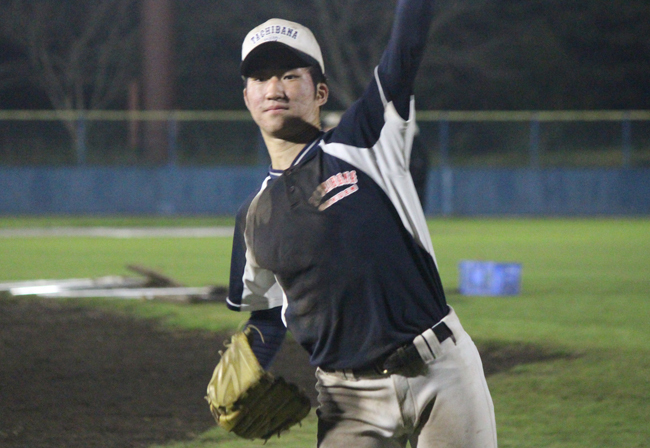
339	239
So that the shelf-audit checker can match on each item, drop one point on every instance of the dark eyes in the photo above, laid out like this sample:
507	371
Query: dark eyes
266	78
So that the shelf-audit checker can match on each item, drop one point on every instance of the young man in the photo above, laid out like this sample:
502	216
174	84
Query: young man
335	247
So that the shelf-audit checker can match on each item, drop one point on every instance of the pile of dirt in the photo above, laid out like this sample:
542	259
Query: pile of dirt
78	377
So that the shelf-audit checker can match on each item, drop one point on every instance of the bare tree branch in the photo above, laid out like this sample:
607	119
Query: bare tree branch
353	36
81	54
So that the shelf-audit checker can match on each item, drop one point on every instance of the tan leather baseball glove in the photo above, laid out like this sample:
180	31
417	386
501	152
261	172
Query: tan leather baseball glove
249	401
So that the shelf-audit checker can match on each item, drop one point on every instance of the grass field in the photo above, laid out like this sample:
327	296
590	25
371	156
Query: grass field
586	292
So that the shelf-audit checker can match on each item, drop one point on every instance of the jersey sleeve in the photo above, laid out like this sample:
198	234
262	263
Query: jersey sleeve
403	54
266	335
391	86
376	133
251	288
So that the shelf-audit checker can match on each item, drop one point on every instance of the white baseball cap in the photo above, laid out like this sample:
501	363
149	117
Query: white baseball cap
279	39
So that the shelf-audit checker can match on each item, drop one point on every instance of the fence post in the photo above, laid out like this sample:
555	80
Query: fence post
534	141
447	178
172	141
80	130
443	141
626	139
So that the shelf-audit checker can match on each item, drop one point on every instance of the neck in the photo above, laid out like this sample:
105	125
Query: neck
283	152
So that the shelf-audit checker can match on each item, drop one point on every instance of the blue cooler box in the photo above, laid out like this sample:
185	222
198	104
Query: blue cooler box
489	278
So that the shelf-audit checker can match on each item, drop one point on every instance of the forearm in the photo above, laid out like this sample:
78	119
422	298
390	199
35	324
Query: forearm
401	59
272	329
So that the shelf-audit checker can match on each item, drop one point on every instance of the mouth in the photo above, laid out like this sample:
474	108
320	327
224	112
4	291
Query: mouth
276	108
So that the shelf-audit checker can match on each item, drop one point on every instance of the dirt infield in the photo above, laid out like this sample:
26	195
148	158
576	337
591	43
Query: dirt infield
77	377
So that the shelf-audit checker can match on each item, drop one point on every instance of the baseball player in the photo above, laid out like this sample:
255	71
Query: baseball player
335	247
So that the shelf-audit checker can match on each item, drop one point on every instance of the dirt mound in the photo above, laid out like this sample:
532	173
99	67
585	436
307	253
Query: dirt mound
79	377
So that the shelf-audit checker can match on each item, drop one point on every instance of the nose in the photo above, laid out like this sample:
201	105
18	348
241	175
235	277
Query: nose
274	88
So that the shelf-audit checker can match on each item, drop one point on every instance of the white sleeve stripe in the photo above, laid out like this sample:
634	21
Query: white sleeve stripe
380	88
385	164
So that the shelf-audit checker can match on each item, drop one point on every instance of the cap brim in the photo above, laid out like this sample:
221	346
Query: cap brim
275	55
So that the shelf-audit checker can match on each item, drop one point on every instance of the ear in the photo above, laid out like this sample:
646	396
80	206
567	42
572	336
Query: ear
322	94
246	98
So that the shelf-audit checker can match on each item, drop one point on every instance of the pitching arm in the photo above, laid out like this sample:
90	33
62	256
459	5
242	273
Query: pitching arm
401	59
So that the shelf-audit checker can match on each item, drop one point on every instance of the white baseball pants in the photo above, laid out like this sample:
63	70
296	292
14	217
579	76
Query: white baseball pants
445	403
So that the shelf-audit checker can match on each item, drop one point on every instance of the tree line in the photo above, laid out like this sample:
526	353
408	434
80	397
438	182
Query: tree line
481	55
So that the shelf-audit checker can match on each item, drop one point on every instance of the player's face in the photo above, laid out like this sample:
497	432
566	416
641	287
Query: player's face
284	102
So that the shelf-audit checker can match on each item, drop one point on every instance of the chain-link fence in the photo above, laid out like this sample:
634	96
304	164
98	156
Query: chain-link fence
478	139
538	139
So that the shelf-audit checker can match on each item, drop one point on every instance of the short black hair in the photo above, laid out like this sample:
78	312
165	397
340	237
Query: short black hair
317	76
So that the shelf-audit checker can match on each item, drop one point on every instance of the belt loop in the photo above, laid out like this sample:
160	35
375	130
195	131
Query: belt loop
424	348
442	332
432	342
452	321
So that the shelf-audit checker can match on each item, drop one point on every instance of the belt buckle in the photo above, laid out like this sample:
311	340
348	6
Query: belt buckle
407	354
402	357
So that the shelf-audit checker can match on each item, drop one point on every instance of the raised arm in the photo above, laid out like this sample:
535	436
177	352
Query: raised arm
363	122
401	59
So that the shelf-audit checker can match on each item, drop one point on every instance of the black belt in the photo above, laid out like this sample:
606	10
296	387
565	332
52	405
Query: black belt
403	357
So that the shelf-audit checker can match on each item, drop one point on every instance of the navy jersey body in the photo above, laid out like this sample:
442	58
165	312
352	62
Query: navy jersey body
339	239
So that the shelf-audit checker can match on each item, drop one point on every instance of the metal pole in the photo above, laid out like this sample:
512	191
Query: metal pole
443	139
172	129
534	143
627	140
447	178
447	191
81	140
157	73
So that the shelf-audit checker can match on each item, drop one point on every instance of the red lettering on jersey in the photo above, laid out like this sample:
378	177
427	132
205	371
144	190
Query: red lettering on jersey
335	181
338	196
338	180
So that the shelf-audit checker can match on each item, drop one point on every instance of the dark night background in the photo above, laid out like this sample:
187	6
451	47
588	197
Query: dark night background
504	54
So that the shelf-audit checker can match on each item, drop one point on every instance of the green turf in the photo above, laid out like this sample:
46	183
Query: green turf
190	261
585	292
585	282
303	436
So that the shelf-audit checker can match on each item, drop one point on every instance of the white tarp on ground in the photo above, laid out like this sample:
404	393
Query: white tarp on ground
120	232
29	287
132	293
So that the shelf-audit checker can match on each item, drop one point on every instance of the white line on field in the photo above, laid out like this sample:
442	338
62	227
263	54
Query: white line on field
119	232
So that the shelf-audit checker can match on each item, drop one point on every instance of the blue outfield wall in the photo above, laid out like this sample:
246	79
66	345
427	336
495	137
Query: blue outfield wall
126	190
556	191
220	190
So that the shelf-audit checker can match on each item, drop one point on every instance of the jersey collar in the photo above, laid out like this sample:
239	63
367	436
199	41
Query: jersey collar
302	155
